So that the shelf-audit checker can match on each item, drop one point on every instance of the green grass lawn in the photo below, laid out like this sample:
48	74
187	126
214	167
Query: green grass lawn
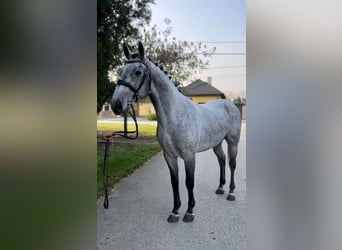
124	158
145	131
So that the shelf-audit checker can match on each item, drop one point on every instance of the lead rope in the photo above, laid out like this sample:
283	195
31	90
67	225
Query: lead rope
105	175
131	112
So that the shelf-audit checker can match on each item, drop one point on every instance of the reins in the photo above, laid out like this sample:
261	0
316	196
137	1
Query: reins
124	133
105	175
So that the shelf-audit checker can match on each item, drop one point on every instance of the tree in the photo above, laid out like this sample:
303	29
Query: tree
181	59
117	21
237	100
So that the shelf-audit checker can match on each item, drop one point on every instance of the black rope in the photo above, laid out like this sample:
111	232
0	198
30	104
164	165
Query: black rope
124	133
105	175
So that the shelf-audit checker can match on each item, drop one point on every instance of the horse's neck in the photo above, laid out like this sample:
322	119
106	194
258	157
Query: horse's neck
164	94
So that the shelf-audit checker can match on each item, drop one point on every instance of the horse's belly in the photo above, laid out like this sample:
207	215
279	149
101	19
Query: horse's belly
206	144
178	146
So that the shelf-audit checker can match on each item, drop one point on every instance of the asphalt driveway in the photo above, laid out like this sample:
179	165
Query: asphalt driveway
140	204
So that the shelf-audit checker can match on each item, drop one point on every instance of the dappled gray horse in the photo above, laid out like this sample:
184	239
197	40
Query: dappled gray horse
184	128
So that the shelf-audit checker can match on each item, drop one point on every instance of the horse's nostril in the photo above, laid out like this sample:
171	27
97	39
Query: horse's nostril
119	106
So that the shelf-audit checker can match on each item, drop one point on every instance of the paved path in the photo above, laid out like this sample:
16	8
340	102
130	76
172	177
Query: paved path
139	207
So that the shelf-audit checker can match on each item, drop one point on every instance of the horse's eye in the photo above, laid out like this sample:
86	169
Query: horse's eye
137	72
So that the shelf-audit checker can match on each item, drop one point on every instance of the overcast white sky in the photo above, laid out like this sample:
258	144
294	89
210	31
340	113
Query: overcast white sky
218	22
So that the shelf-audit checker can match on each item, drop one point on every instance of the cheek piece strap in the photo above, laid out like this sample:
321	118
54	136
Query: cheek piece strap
136	90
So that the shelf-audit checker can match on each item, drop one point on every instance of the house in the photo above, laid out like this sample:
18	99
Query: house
144	107
201	92
106	111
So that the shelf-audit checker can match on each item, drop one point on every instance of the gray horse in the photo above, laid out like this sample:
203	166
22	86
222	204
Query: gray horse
184	128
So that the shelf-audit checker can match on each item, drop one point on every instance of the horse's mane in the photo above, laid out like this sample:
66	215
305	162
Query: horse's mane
159	66
137	56
165	72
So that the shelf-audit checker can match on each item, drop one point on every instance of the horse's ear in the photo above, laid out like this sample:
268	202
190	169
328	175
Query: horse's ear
126	51
141	49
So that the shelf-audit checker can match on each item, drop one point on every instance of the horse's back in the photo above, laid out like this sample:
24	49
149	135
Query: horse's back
221	109
221	117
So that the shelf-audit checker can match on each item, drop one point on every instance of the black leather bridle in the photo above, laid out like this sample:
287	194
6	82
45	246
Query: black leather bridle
136	90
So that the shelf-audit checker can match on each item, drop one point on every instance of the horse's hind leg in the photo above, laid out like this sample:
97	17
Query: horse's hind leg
232	151
221	157
173	167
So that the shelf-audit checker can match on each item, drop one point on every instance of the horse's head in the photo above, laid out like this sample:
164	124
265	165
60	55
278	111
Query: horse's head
134	83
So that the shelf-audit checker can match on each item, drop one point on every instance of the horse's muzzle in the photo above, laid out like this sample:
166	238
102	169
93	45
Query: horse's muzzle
119	108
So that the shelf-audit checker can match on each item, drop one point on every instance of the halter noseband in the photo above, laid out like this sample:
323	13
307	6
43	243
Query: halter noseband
136	91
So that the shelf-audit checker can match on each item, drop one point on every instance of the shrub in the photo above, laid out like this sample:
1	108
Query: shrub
237	101
151	117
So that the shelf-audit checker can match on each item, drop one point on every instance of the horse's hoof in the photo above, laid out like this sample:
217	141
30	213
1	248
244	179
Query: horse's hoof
173	218
188	217
231	197
219	191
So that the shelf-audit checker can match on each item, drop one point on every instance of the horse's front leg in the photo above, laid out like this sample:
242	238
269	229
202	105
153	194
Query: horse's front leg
173	167
190	181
